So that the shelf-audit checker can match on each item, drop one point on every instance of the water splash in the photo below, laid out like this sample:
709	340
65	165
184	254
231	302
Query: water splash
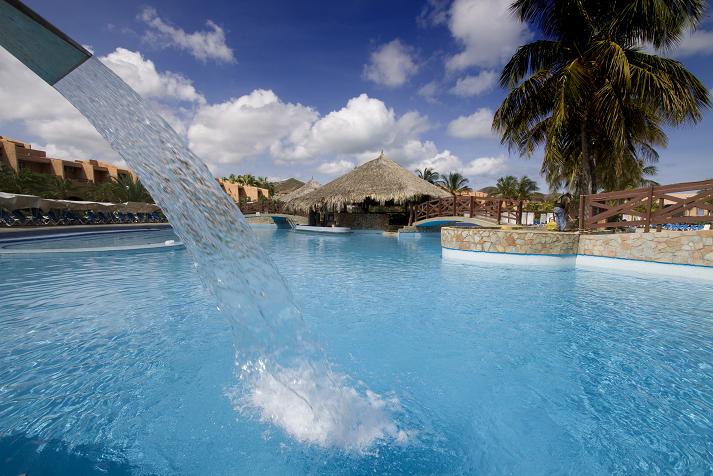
283	375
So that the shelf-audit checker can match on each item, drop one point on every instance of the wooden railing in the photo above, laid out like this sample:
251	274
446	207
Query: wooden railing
485	207
648	206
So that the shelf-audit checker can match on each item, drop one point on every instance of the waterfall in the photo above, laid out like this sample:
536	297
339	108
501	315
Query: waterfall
284	377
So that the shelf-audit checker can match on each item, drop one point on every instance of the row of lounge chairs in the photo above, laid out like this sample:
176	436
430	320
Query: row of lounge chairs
36	217
675	227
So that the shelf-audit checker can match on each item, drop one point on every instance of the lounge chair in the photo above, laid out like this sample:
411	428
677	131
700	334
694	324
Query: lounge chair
8	219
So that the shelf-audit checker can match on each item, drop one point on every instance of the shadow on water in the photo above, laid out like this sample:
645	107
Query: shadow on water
23	455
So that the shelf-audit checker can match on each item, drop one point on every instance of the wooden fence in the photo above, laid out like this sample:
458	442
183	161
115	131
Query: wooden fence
648	206
485	207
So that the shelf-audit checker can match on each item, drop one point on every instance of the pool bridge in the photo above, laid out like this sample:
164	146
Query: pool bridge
481	211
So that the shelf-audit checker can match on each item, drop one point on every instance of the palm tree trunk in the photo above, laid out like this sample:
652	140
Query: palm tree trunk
587	171
593	186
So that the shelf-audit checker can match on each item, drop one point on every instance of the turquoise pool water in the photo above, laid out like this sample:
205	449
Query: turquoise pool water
88	239
119	363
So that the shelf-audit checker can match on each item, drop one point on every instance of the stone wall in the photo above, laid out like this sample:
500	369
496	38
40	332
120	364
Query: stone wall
679	247
364	221
268	220
510	241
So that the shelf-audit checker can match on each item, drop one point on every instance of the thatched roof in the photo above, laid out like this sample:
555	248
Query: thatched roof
381	180
308	187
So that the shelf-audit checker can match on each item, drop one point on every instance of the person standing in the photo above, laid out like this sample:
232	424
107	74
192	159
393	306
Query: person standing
560	215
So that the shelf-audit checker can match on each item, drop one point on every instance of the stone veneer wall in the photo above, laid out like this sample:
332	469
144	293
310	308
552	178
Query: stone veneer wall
368	221
267	220
538	242
680	247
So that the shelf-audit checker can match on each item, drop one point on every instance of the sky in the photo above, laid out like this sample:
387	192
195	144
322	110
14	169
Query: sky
314	88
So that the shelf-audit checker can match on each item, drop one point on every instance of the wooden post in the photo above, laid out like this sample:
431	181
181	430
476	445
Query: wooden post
500	207
472	206
581	212
454	206
649	203
659	227
518	210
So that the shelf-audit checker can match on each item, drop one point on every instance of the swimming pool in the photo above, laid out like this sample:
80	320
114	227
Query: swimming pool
73	241
120	363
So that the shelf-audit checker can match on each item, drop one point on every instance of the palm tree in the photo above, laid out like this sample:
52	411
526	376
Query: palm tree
26	182
526	187
60	188
429	175
264	182
123	189
590	95
454	183
506	187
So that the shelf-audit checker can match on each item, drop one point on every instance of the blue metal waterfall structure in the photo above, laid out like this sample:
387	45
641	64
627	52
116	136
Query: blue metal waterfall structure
42	47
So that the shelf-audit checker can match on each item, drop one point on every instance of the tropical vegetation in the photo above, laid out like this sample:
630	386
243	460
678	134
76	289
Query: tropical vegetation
117	190
429	175
591	93
517	189
454	183
251	180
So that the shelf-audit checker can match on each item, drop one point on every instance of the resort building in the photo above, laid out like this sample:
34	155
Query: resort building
21	156
243	193
474	193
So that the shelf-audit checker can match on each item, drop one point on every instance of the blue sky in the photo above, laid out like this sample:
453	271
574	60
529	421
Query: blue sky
284	88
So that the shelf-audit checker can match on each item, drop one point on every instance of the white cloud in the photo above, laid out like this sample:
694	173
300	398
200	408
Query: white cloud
47	119
337	167
44	116
478	124
435	12
141	74
261	125
256	125
429	91
247	126
442	162
486	166
392	64
202	45
482	167
487	30
699	42
475	85
359	131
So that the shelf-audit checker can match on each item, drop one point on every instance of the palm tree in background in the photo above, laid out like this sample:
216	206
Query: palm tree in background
429	175
264	182
525	189
454	183
24	182
591	96
123	189
506	187
61	188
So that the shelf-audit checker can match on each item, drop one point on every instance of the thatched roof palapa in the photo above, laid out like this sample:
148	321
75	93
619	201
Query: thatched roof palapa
381	180
308	187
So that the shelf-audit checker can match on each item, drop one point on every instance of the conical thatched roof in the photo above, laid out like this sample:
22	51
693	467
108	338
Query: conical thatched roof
380	180
308	187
